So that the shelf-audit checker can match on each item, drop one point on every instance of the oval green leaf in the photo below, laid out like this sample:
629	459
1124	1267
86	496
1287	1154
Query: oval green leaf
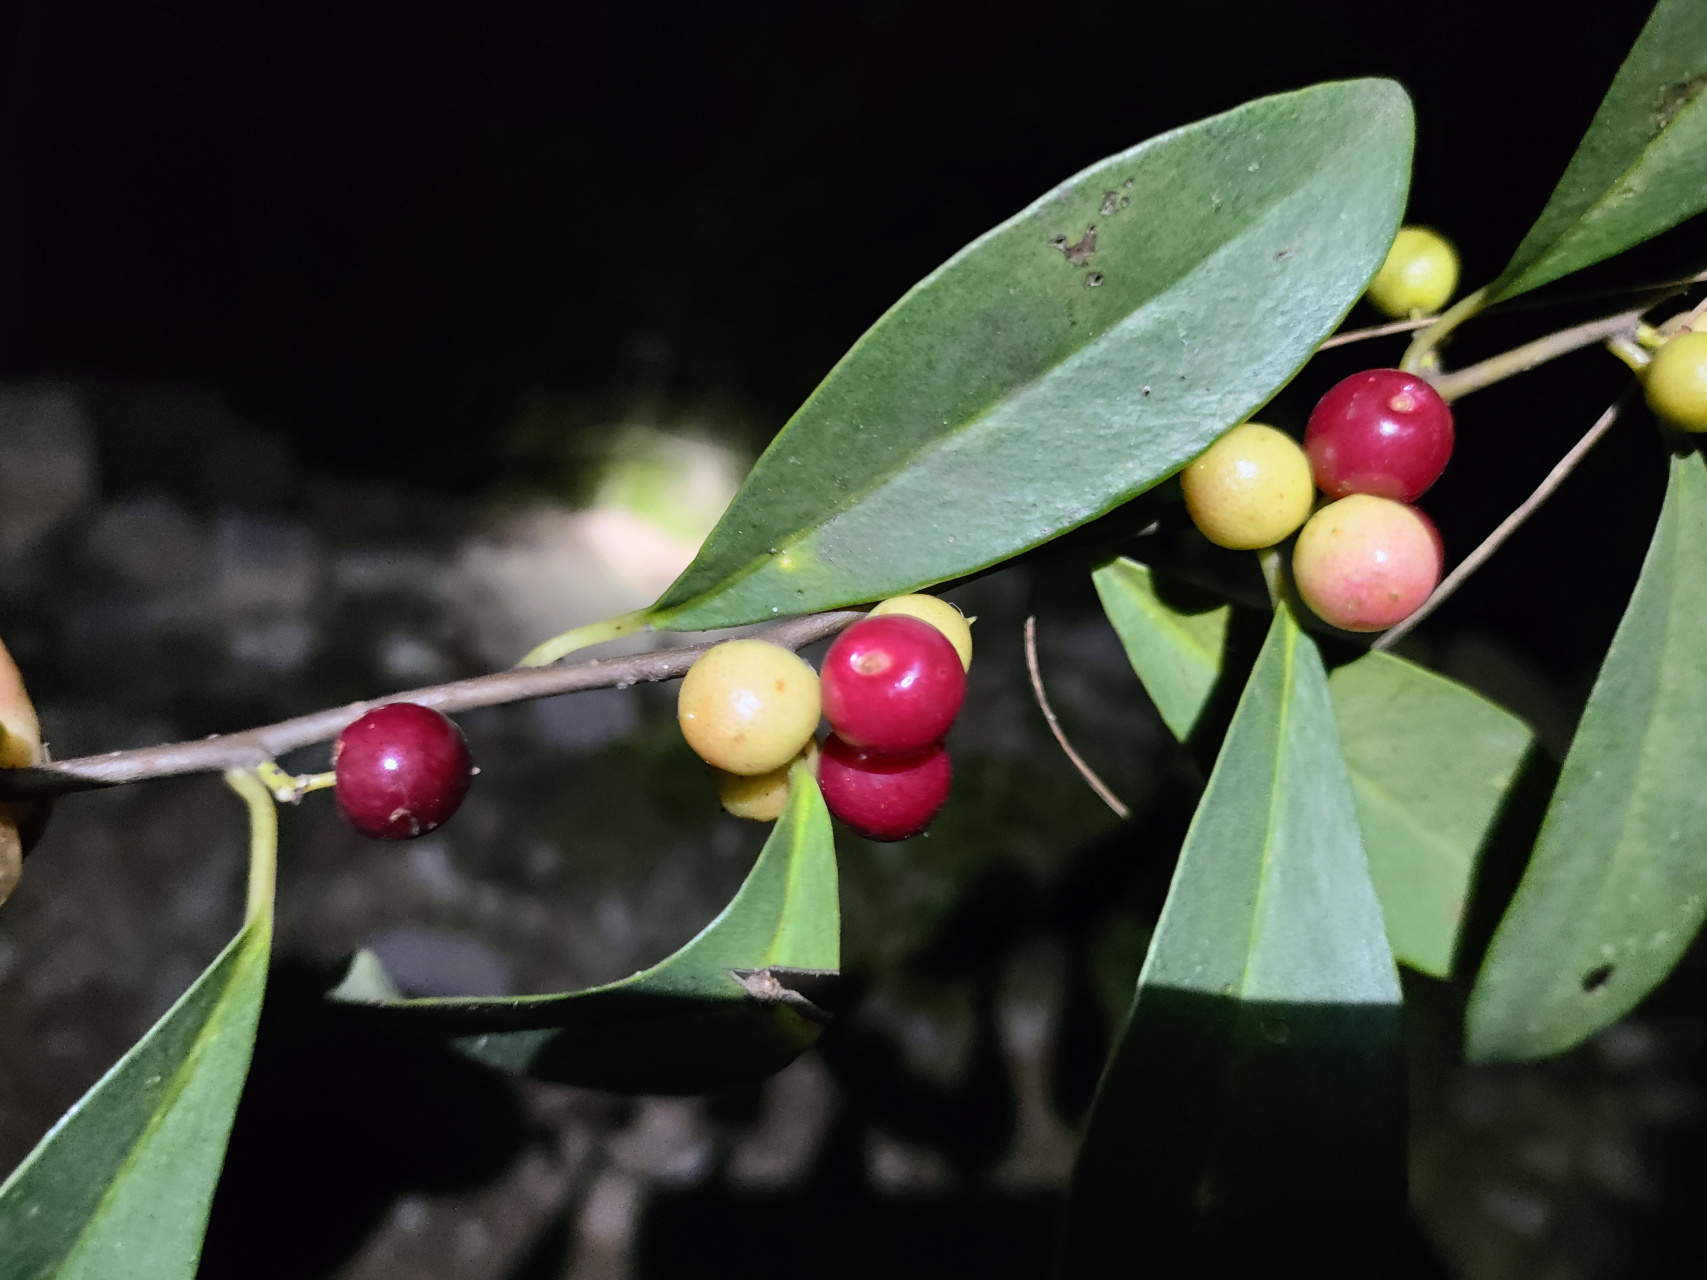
1431	765
1068	359
1177	654
1253	1107
122	1184
735	1004
1617	886
1642	166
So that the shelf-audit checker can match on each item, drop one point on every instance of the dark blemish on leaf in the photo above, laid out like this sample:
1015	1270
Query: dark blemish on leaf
1284	253
1125	200
1674	98
1078	253
1595	979
1093	280
1129	182
1146	388
1110	202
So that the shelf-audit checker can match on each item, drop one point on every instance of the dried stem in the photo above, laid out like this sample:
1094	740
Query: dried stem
254	747
1375	331
1452	386
1492	543
1097	785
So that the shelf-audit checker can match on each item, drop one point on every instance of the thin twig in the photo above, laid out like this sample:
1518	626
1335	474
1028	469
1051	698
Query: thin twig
1452	386
1376	331
1085	771
254	747
1492	543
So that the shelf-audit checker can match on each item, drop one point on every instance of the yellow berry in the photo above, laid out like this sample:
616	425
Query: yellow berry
1250	488
748	706
1676	382
1420	274
940	614
762	797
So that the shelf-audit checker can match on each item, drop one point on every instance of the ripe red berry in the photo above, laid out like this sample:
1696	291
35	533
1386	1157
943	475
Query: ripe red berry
884	797
402	770
1383	432
892	684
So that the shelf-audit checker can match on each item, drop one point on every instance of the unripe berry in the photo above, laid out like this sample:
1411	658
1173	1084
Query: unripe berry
892	684
1249	489
884	797
748	706
1382	431
940	614
1420	274
1676	382
402	770
1366	563
762	796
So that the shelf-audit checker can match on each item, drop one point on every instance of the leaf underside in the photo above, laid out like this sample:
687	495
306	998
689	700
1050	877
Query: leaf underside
1617	886
1642	166
1431	765
1176	654
1068	359
735	1004
1253	1107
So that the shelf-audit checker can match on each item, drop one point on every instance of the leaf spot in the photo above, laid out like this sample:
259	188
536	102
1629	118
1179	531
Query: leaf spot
1672	99
1597	978
1110	202
1093	280
1078	253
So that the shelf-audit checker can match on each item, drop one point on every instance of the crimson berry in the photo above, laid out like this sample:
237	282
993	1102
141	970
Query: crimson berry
892	684
1383	432
402	770
884	797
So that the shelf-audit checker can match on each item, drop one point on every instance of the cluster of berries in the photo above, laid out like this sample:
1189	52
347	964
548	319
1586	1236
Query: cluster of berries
1367	558
891	686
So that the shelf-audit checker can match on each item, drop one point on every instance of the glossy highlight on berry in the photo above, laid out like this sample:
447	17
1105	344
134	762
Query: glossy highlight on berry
884	797
1383	432
402	770
892	683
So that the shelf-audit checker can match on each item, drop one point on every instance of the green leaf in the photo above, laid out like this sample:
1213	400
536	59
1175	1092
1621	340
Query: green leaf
735	1004
1068	359
1617	885
1431	763
1176	654
1642	166
122	1184
1254	1105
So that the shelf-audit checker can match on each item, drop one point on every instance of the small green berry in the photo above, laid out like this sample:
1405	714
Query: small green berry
1250	488
1676	382
1420	274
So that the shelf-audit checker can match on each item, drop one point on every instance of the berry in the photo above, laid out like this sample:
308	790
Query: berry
892	684
1676	382
1382	431
762	796
748	706
1420	274
884	797
1249	489
402	770
1365	563
940	614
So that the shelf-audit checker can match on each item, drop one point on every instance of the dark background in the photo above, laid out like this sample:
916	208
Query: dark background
383	232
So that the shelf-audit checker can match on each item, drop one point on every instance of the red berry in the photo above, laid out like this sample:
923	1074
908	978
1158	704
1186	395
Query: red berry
402	770
892	683
1383	432
884	797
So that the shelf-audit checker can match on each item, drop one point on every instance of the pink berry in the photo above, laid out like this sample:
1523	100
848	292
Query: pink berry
402	770
892	684
1366	563
1383	432
884	797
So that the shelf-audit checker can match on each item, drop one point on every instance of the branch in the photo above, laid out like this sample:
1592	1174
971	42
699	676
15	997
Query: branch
1492	543
254	747
1089	774
1376	331
1452	386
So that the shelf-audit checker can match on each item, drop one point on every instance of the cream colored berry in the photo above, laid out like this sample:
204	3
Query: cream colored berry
1250	488
1420	274
763	796
1676	382
748	706
940	614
